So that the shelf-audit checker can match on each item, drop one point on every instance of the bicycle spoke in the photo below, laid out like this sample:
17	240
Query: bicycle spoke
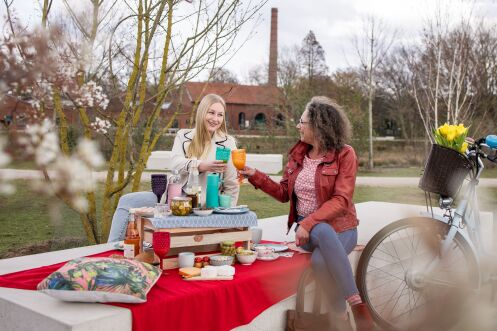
385	272
399	285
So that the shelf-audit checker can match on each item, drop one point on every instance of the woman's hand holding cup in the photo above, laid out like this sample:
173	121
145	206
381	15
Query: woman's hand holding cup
247	172
212	166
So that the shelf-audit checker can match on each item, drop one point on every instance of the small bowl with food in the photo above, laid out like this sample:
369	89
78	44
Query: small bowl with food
203	211
218	260
246	256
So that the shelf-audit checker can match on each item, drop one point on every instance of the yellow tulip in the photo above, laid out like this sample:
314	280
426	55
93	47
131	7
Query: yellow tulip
461	129
444	129
451	133
464	147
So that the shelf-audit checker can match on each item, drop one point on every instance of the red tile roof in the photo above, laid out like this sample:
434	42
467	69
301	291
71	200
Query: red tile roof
237	94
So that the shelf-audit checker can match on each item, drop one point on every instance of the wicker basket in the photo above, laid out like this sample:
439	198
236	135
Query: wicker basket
445	171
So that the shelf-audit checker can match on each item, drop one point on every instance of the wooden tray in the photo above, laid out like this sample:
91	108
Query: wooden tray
196	240
210	278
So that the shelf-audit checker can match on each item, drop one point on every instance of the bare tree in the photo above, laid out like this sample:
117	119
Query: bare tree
442	73
312	58
394	80
371	48
223	75
168	41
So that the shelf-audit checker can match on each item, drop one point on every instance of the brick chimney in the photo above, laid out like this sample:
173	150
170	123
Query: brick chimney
273	49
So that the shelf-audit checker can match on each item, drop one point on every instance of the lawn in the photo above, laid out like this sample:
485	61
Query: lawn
412	172
27	227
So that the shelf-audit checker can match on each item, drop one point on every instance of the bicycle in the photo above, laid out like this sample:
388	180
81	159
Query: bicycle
414	269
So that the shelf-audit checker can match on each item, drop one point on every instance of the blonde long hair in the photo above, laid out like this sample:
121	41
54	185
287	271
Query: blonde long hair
201	142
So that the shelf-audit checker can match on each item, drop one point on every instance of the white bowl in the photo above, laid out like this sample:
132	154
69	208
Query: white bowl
217	260
247	258
202	212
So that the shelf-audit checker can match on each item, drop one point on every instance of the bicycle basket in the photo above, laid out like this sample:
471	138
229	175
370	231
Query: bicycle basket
445	171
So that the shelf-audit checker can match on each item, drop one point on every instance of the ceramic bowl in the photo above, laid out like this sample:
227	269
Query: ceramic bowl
202	212
246	257
217	260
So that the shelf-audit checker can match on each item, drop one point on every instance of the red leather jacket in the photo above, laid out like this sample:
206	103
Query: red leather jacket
334	181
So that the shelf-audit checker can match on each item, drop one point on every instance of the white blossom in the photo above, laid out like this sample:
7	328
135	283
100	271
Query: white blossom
80	203
47	150
91	95
72	176
42	141
100	125
89	153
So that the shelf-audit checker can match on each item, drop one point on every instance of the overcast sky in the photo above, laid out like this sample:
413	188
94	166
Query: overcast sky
334	23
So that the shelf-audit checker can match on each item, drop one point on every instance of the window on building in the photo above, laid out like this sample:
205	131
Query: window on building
260	120
241	120
280	120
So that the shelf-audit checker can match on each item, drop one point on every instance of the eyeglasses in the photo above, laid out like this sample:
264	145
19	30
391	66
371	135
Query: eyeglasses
303	122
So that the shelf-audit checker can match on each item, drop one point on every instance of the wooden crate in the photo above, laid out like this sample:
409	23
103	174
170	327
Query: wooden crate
201	241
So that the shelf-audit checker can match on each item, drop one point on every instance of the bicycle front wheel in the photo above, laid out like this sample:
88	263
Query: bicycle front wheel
407	283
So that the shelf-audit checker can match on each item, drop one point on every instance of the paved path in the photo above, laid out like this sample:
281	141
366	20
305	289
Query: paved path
361	181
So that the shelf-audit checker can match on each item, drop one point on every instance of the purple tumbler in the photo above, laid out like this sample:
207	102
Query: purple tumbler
159	184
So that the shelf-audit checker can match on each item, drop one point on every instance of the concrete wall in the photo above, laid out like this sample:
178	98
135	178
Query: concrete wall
268	163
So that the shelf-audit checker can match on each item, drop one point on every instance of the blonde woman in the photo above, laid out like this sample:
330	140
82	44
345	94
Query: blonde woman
201	142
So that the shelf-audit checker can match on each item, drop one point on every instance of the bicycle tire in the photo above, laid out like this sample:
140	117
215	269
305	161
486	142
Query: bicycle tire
430	304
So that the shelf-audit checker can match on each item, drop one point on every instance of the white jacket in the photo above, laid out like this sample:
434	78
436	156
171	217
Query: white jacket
181	163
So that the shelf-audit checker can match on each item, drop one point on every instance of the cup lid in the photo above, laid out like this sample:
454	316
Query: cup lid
182	199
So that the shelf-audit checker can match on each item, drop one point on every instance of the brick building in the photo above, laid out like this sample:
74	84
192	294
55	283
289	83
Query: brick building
250	108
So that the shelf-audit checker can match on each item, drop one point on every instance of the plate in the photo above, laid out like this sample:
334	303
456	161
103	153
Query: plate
231	210
277	248
120	245
143	211
268	258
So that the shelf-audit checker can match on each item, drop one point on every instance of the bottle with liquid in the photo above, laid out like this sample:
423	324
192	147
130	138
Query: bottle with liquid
192	186
174	189
132	240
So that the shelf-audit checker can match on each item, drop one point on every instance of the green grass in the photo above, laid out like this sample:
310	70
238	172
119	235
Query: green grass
27	227
411	172
261	203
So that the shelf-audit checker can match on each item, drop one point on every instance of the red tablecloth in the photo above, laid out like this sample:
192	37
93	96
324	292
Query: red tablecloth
175	304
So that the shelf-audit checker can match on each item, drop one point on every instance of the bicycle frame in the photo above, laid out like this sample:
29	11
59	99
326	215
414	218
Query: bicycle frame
466	216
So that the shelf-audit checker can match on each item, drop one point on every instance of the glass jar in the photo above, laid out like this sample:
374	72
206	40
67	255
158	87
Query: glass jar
181	206
228	248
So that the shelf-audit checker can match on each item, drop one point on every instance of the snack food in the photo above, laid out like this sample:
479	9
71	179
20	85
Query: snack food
181	206
189	272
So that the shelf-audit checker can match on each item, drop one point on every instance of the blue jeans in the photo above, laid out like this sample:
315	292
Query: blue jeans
331	264
121	215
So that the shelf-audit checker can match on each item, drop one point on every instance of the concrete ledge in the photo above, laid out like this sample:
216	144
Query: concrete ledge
30	310
268	163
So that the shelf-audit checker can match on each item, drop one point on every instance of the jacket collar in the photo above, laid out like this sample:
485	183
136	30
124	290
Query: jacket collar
300	149
219	139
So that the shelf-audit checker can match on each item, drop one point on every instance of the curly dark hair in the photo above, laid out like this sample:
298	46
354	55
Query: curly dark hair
329	123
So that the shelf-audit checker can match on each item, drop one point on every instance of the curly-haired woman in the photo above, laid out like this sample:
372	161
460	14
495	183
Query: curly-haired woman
319	181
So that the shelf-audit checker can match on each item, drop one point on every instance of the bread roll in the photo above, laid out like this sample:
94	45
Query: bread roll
189	272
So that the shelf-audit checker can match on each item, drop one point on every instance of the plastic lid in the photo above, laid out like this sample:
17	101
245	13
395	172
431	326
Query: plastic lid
182	199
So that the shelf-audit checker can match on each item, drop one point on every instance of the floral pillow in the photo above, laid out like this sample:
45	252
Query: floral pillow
101	279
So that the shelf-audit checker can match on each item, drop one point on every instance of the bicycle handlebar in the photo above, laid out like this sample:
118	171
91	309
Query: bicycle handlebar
489	142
